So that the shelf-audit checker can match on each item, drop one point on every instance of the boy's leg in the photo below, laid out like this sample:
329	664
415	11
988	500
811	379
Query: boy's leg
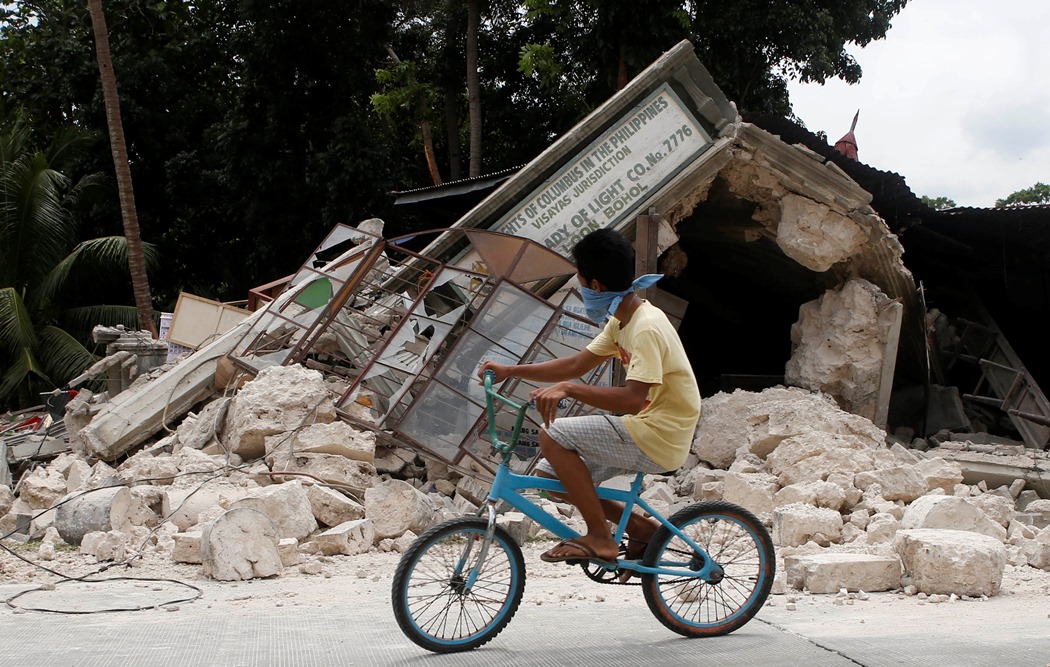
574	475
607	450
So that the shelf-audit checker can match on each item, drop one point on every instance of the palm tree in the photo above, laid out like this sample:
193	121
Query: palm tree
43	270
136	261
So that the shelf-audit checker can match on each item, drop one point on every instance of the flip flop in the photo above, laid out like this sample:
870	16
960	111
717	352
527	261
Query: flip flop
588	555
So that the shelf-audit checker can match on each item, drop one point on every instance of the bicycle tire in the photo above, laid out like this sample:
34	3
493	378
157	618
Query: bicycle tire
738	542
430	604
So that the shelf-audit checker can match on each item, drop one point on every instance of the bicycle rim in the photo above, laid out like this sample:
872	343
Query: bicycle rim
431	600
739	543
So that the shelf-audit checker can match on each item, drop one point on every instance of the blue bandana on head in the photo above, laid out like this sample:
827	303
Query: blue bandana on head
600	305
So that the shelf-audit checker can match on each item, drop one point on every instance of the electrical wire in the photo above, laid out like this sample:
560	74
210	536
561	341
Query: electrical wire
220	473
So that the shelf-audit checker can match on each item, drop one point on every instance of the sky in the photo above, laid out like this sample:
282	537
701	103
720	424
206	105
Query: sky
956	99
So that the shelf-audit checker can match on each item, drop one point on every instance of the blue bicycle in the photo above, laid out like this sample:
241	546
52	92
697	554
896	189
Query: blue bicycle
706	572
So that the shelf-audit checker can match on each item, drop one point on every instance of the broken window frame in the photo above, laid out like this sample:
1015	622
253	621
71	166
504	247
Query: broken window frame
486	265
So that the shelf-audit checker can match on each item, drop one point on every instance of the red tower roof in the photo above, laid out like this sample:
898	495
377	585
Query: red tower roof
847	145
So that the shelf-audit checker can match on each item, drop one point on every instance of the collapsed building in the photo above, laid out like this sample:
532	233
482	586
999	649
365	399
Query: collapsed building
344	414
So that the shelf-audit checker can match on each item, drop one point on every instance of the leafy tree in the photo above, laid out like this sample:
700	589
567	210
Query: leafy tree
1037	194
938	203
751	47
46	277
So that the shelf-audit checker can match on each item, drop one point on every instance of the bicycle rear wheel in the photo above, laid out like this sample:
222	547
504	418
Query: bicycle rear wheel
432	603
738	542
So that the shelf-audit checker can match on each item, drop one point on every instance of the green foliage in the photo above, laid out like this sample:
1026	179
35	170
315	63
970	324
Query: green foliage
751	47
938	203
253	126
46	277
1037	194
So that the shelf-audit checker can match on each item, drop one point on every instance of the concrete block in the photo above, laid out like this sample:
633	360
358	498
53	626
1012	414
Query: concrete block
96	512
517	524
828	573
338	438
951	512
350	538
817	493
286	505
951	561
241	544
940	474
332	508
280	399
104	546
288	548
898	483
187	547
42	487
473	490
794	525
330	468
753	491
396	506
1037	550
882	527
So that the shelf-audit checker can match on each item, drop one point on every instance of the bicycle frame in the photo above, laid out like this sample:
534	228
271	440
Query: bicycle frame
507	487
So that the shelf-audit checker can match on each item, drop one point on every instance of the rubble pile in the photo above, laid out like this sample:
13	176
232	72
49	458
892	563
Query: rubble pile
269	478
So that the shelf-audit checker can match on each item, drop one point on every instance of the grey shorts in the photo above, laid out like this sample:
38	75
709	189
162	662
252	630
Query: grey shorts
604	445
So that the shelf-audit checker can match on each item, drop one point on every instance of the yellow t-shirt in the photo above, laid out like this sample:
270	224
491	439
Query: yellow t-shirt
652	352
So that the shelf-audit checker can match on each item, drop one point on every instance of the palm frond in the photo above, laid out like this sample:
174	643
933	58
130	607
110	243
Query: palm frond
14	137
68	143
16	327
22	368
65	357
36	230
91	260
80	321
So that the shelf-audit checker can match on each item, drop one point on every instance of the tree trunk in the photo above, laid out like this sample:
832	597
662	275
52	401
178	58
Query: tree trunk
136	260
473	87
428	150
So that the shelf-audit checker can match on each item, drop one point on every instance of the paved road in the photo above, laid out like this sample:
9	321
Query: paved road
346	620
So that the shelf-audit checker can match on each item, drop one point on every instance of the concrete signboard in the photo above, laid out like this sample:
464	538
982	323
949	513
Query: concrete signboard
611	178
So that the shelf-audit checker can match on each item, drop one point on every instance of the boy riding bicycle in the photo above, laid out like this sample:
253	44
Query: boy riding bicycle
659	401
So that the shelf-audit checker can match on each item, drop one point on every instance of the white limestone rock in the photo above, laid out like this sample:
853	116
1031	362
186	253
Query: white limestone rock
839	342
794	525
42	487
818	455
278	400
897	483
239	545
815	235
187	547
882	527
817	493
951	561
350	538
831	572
953	513
757	423
752	491
331	468
395	506
332	508
940	474
286	505
337	437
1037	550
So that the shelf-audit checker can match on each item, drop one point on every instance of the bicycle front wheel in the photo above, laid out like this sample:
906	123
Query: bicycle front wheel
738	542
442	601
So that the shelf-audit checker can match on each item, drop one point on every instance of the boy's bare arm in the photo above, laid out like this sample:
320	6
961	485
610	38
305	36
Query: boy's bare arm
555	370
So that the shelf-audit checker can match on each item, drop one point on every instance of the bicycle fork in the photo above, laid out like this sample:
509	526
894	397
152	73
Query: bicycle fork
467	581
